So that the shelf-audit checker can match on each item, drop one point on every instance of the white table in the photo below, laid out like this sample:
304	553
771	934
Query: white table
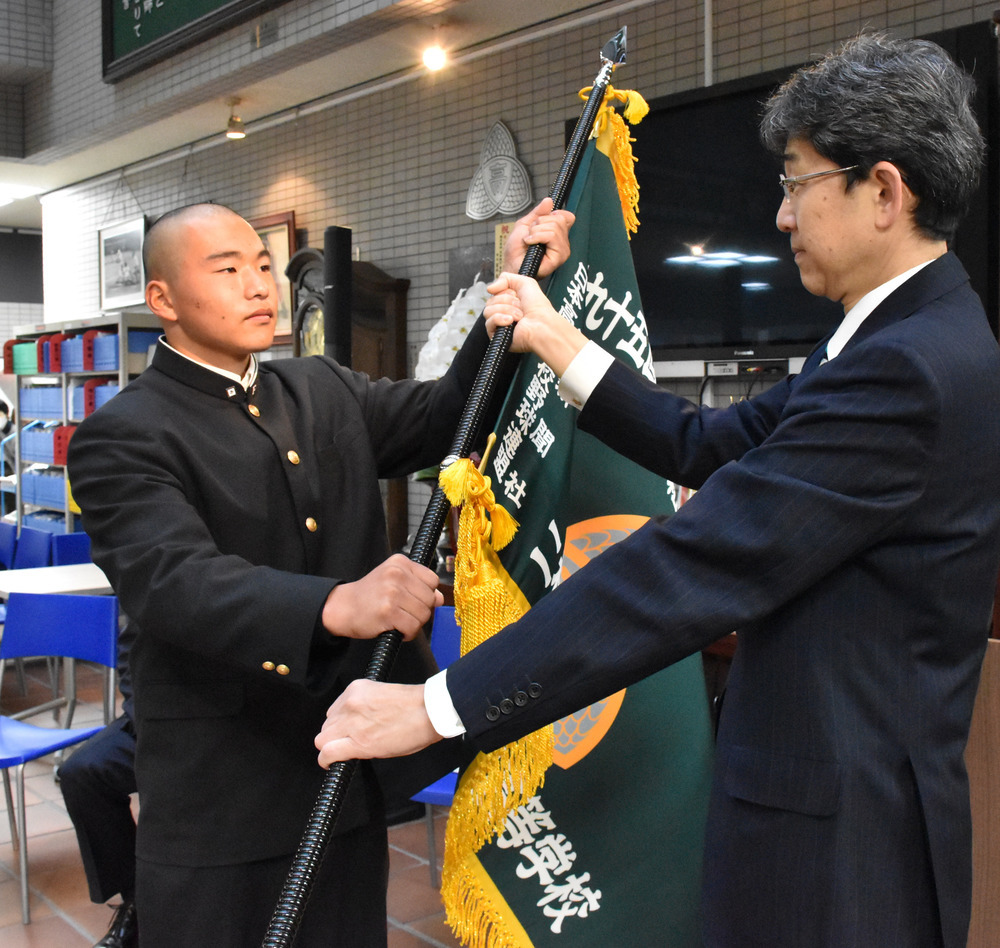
80	578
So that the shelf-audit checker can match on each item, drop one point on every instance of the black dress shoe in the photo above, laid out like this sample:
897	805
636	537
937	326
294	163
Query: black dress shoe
124	930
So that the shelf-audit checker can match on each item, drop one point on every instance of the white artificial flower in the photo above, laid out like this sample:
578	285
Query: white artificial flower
448	334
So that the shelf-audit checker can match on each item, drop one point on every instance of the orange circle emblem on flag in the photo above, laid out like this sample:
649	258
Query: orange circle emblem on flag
578	734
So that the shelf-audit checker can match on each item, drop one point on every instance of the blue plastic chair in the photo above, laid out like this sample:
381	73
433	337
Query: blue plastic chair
70	548
73	628
34	548
445	636
8	543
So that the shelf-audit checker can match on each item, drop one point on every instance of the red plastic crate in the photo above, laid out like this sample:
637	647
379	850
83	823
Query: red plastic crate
60	442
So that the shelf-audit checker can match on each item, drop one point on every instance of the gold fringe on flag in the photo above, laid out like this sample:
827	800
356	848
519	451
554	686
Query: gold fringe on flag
495	783
614	140
486	600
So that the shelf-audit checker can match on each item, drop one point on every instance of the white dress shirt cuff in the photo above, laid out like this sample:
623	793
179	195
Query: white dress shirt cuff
583	373
439	707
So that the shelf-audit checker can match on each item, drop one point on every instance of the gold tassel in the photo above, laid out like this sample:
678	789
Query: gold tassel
462	482
452	480
499	782
636	107
615	141
504	527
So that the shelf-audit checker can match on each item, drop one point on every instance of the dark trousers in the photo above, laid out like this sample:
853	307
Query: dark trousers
232	906
96	781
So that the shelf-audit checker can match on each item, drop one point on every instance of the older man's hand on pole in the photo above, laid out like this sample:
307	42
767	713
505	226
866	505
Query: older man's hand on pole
375	719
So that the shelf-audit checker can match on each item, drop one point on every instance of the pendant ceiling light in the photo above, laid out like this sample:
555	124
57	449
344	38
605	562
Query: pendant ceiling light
235	129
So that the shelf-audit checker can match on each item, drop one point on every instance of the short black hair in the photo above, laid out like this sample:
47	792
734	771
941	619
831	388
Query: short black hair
880	98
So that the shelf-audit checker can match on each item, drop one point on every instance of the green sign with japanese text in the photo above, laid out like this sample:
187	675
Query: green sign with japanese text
138	33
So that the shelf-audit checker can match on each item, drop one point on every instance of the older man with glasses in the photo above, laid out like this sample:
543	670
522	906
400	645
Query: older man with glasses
847	524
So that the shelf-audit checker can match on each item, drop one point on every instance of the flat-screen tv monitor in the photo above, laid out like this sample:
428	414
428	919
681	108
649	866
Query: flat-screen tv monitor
716	276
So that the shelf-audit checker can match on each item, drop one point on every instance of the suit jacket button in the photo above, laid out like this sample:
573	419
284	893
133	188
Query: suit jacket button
293	457
254	410
520	699
534	689
492	713
506	706
282	669
311	524
268	666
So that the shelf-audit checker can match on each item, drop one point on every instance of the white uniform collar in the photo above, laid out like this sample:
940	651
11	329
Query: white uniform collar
245	380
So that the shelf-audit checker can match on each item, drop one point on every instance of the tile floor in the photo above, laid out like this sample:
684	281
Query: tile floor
62	915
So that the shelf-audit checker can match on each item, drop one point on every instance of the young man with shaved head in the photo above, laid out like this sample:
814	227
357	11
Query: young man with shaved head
234	505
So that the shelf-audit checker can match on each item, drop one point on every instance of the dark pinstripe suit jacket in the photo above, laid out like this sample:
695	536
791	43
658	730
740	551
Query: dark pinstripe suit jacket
848	525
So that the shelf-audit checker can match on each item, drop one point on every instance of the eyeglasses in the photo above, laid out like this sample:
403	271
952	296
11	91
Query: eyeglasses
788	185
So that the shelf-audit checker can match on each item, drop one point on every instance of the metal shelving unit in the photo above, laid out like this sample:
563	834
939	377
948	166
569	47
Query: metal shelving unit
48	402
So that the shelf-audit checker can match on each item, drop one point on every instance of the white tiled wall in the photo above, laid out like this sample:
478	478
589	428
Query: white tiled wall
16	315
11	120
395	165
25	37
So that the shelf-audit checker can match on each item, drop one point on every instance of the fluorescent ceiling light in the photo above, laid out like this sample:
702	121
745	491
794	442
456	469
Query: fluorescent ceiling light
718	258
15	192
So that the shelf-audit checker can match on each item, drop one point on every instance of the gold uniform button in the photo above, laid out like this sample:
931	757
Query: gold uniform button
268	666
254	410
311	525
282	669
293	457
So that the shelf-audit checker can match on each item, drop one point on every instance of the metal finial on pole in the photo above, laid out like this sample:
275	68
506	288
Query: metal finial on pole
295	894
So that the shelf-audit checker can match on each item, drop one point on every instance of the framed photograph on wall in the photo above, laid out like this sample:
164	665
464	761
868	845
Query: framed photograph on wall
122	280
277	231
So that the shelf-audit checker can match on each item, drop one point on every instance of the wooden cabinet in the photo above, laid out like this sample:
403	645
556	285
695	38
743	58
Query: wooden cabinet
378	347
377	316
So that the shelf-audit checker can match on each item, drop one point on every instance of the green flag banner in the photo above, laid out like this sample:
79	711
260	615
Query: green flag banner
609	851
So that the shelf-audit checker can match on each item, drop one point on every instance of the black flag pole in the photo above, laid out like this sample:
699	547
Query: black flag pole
295	894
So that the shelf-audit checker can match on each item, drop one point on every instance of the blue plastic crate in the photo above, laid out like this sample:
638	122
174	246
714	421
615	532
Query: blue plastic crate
139	340
37	445
72	354
27	488
104	393
42	402
106	350
46	490
45	520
